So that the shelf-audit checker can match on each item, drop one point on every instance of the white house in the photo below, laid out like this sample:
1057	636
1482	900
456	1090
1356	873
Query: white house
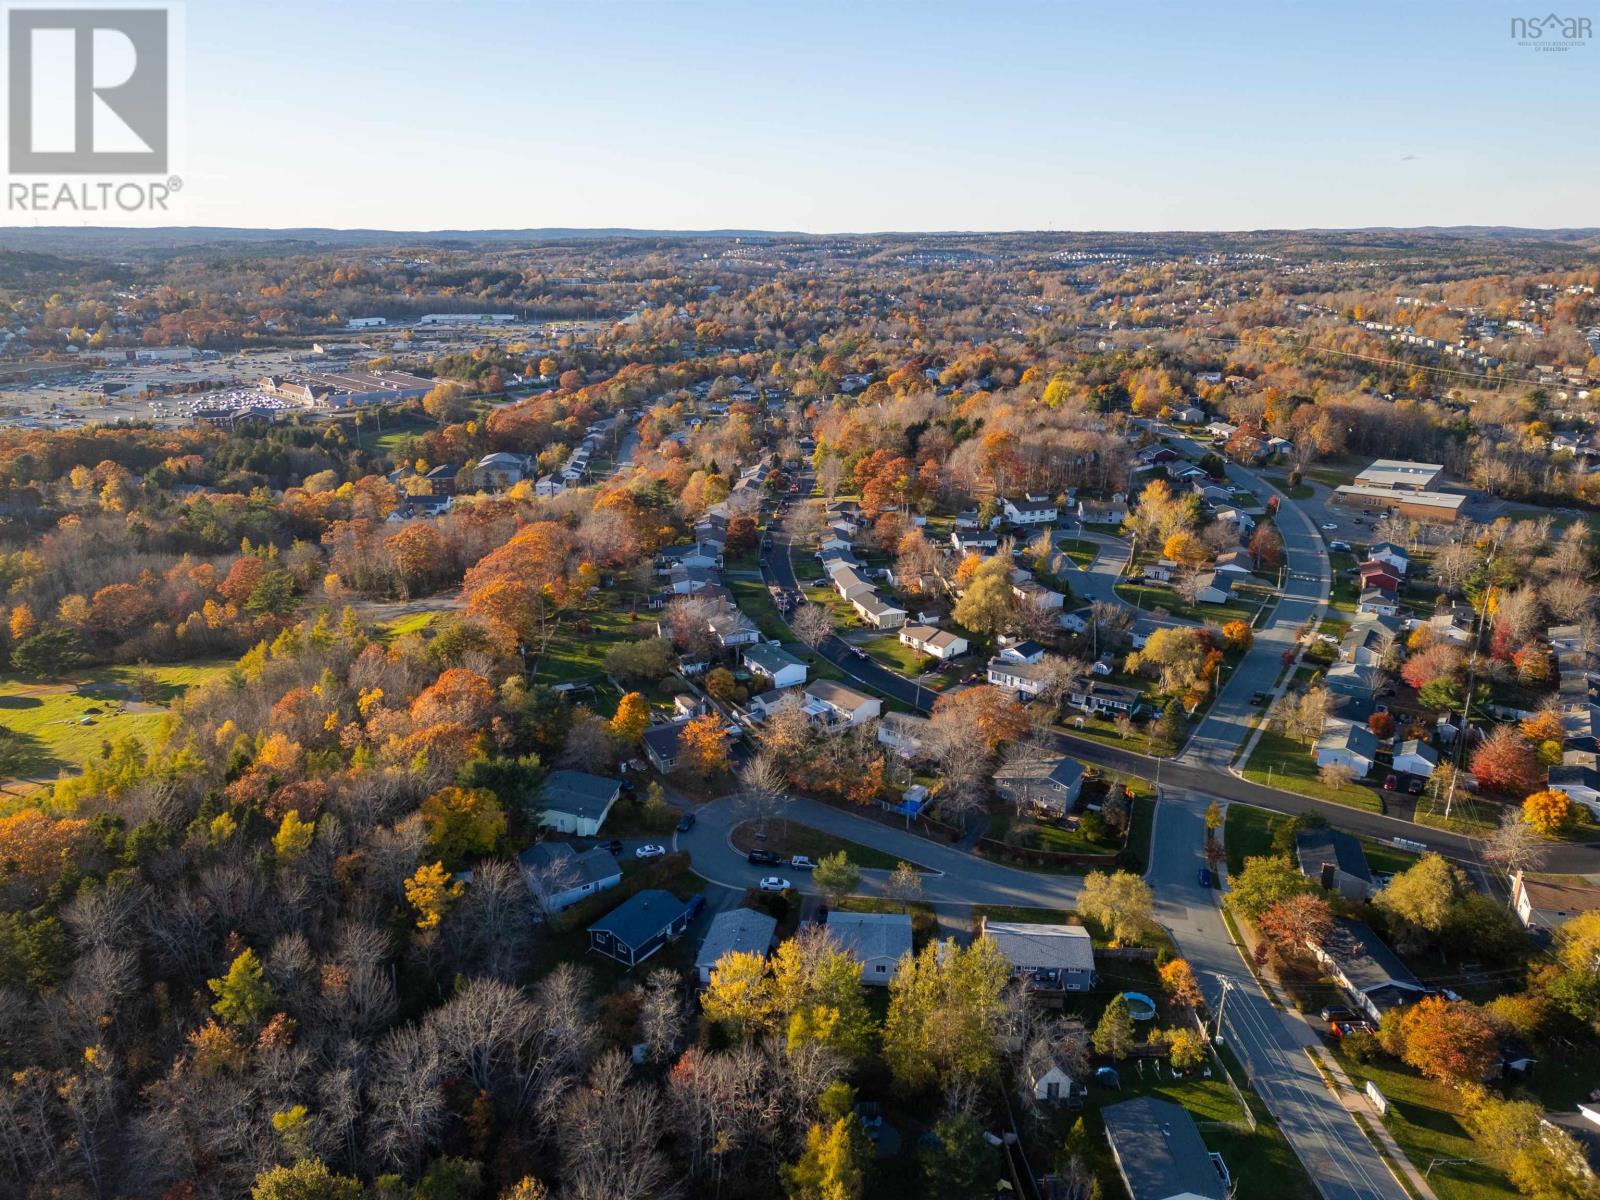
878	941
1161	571
1415	758
1031	591
903	733
1049	1084
835	704
1189	414
1213	588
775	664
1103	512
1580	782
1390	553
1030	510
935	643
1107	699
1548	905
1377	603
1344	743
1025	678
577	802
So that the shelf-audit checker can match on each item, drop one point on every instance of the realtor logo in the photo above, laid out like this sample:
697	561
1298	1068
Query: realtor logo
88	91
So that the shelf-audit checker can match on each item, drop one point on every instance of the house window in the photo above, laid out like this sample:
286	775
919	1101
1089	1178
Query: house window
880	968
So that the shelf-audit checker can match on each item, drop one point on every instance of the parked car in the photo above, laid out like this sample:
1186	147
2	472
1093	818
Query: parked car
1329	525
801	862
1414	786
686	823
1343	1029
649	850
1205	878
820	917
762	858
1336	544
627	785
1336	1012
697	905
1391	783
775	883
614	845
858	652
1258	699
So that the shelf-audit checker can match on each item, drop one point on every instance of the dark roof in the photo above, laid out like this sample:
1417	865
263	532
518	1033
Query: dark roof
580	793
1365	959
641	916
1314	847
663	739
1160	1151
573	869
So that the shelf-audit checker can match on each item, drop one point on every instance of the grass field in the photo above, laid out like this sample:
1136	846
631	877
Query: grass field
1079	551
1148	598
577	649
756	602
64	723
1282	762
1035	835
896	655
1425	1118
788	838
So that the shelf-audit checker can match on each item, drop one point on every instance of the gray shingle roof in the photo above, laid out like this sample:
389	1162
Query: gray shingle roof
1053	947
641	916
1159	1148
742	929
580	793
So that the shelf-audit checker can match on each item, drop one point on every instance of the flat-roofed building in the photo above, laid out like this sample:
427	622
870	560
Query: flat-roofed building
1440	508
1400	475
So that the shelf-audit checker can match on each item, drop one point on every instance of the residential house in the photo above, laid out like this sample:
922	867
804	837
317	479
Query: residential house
1106	699
838	705
935	643
661	744
701	555
502	470
1157	455
1189	414
1234	562
733	629
1161	571
1241	522
1544	905
1379	575
1054	957
775	664
878	941
877	612
1377	603
904	733
1160	1154
1103	512
1389	553
736	931
1413	757
1025	678
1579	780
847	580
1370	973
558	876
1213	588
1075	622
1221	430
1020	649
1030	591
1030	510
577	802
1335	861
1366	644
1346	744
973	542
640	925
1050	783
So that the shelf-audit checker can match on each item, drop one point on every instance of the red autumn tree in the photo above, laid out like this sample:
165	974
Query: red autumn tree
1506	763
460	696
1436	662
986	712
1448	1040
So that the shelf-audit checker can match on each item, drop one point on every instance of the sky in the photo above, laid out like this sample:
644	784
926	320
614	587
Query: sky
879	115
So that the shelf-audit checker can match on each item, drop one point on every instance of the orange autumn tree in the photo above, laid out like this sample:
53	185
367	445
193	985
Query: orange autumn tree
987	712
702	748
1550	812
458	696
36	849
1448	1040
631	719
523	585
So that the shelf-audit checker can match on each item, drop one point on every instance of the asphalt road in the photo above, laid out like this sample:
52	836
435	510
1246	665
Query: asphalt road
1269	1042
1306	581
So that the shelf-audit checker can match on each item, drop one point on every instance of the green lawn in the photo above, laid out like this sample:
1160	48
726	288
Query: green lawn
1330	476
405	626
756	602
1078	550
1247	833
1282	762
1150	597
65	722
896	655
788	838
1023	916
1036	835
397	430
575	654
1425	1118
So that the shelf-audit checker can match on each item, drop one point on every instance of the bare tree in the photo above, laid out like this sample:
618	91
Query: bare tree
805	524
1303	718
812	623
904	884
1515	846
764	787
661	1014
611	1138
830	475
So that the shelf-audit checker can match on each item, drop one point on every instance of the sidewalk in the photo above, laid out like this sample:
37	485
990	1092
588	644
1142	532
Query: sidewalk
1354	1100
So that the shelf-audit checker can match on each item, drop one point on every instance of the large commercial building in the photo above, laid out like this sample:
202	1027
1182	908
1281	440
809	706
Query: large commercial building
1400	475
346	389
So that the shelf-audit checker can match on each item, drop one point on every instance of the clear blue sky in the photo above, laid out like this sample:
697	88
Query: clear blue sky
874	115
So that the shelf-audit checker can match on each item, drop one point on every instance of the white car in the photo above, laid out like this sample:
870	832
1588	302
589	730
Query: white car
1329	525
801	862
773	883
649	850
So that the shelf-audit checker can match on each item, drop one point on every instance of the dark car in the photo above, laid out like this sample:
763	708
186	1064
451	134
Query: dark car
686	823
762	858
1258	699
614	845
697	905
858	651
1390	783
1205	877
1336	1012
821	915
1414	786
627	785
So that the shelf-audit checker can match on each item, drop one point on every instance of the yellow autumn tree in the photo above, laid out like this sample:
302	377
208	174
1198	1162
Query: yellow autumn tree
632	718
431	892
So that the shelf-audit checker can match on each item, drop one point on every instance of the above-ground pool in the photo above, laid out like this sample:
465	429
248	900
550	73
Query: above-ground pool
1140	1006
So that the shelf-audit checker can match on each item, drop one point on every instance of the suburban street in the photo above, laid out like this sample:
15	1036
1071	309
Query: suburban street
1270	1042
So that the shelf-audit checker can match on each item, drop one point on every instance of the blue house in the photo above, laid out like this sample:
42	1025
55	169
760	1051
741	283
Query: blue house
641	925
